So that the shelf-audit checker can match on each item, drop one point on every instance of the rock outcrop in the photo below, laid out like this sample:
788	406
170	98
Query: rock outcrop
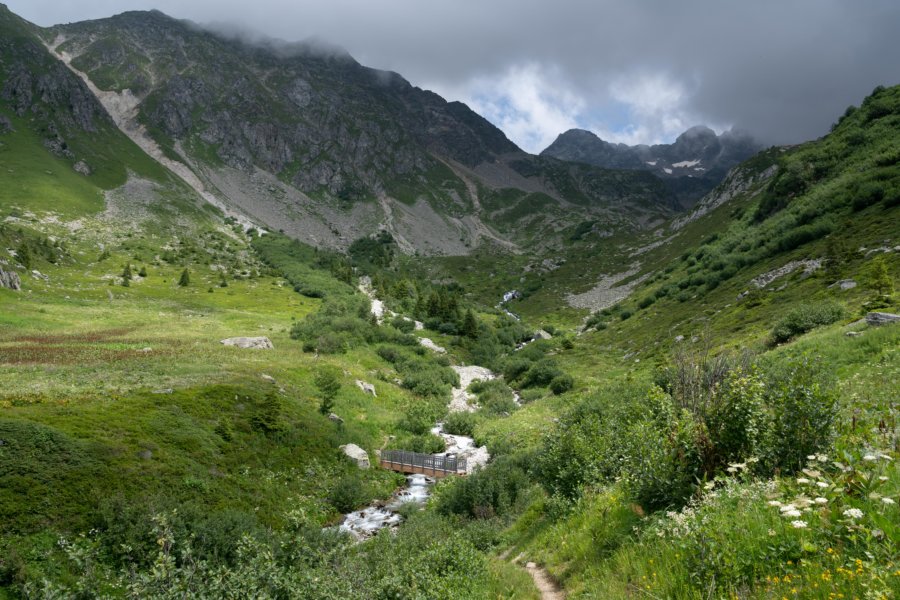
10	280
252	343
357	454
366	387
876	319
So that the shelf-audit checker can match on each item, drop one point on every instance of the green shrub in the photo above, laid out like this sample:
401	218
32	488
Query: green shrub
489	492
805	318
347	493
460	423
562	384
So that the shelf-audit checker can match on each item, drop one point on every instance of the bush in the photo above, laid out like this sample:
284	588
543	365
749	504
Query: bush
489	492
562	384
805	318
403	324
348	493
804	409
541	374
460	423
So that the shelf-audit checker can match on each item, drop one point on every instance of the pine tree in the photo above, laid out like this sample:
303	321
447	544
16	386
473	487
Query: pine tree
328	385
470	325
878	279
142	272
126	276
185	279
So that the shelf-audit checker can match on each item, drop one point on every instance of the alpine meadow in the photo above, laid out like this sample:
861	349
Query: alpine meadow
277	325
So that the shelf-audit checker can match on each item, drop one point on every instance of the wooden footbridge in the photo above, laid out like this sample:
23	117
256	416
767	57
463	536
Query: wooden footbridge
426	464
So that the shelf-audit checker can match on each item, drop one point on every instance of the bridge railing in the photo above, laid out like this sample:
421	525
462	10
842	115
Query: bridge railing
402	460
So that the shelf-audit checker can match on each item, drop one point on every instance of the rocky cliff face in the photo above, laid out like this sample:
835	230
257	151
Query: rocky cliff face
34	85
691	166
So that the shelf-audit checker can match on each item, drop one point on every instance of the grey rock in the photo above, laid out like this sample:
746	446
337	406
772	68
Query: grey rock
5	125
10	280
853	333
366	387
844	284
268	378
335	419
357	454
540	334
679	338
82	167
881	318
253	343
163	391
145	454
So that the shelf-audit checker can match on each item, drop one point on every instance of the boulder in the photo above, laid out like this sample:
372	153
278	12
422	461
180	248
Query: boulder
853	333
844	284
540	334
268	378
335	419
428	343
357	454
679	338
82	167
366	387
881	318
10	280
253	343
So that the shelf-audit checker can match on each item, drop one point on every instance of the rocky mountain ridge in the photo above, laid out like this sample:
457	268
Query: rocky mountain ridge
691	166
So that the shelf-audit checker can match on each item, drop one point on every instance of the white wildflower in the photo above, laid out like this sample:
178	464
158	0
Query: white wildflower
821	457
869	457
798	524
788	507
885	457
802	480
888	501
882	478
774	503
822	484
811	457
771	533
853	513
821	500
791	513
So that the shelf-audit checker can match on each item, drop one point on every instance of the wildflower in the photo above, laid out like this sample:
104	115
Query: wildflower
869	457
822	484
788	507
774	503
798	524
888	501
821	500
882	478
811	457
802	480
853	513
791	513
771	533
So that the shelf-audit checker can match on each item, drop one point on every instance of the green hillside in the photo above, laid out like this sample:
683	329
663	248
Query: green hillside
724	426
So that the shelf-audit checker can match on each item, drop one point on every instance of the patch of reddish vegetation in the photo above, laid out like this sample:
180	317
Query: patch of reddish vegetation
40	354
89	337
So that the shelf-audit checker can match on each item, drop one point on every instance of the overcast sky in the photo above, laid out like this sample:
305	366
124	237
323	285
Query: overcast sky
634	71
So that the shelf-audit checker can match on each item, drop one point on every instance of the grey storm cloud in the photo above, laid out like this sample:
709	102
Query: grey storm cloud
633	71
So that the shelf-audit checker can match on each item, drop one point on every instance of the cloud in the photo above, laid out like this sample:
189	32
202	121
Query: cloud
631	71
528	102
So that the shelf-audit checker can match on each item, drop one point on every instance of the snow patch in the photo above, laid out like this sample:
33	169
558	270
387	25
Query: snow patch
687	163
669	171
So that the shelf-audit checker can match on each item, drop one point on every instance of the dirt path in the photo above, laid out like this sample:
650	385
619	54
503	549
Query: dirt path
543	581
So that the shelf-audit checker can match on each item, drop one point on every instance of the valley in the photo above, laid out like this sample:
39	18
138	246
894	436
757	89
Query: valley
662	388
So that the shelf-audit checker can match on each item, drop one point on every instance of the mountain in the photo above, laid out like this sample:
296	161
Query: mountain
302	138
691	166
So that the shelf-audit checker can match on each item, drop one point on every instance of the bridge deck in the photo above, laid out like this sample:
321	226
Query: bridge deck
425	464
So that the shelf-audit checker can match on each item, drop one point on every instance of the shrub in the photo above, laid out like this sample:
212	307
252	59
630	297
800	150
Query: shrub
805	318
541	373
460	423
562	384
348	493
804	409
403	324
492	491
